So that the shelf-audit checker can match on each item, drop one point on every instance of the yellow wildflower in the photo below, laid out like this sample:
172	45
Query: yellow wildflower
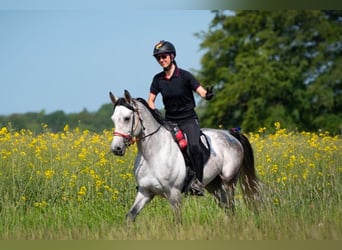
3	131
49	173
66	128
83	190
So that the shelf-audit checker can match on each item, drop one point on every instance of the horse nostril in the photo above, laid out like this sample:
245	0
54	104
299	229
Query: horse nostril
118	151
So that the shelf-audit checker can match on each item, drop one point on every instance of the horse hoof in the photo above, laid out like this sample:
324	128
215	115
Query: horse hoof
130	217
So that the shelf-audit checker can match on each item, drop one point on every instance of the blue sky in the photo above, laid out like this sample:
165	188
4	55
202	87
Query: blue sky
70	59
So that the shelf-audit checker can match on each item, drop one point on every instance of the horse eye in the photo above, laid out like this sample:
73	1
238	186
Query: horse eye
126	119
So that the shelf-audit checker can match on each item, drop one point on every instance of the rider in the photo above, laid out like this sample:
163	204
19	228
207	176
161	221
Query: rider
176	86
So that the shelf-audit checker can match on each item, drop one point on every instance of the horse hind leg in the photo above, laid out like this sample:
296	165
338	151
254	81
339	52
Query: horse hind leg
223	193
229	188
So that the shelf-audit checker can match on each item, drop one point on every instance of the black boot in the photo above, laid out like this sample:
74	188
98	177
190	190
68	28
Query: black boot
196	188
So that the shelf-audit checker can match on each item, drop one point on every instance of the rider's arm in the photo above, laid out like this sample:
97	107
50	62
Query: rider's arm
206	94
151	99
201	91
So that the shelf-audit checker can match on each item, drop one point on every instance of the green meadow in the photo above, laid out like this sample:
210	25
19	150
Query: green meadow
68	185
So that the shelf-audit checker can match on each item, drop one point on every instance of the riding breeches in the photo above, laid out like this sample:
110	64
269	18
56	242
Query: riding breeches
191	128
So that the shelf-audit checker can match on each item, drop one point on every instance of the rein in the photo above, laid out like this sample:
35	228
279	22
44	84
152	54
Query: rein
129	139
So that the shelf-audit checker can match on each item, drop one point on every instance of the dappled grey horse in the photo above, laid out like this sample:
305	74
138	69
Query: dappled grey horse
160	167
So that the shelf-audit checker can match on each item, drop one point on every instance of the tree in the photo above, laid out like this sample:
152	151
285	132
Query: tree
270	66
103	117
56	120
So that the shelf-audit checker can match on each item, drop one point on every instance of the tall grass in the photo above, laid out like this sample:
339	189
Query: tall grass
69	186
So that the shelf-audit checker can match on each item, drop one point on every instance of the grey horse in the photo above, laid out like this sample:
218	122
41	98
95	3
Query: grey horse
160	168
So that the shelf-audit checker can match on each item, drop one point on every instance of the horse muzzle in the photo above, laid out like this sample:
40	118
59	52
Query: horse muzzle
119	146
117	150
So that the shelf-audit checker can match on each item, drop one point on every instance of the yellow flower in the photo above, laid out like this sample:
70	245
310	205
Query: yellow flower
312	165
274	168
44	126
83	154
3	131
40	204
5	154
305	174
276	201
126	176
277	125
261	130
49	173
83	191
66	128
284	178
115	195
98	184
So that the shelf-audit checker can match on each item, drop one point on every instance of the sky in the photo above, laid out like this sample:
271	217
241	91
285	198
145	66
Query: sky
69	59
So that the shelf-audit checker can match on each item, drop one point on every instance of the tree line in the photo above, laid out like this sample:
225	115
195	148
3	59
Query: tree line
56	121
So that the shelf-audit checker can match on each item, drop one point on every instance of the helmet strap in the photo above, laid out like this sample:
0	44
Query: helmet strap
167	68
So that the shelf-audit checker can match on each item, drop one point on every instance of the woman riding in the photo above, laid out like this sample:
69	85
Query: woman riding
176	86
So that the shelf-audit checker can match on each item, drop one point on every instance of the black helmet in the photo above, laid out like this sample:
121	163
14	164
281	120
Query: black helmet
164	47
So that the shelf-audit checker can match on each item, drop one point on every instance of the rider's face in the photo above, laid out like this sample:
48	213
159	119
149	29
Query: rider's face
164	60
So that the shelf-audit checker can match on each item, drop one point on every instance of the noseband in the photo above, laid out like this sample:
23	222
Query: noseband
130	139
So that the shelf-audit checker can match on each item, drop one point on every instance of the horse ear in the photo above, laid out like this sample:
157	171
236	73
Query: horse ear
112	97
127	96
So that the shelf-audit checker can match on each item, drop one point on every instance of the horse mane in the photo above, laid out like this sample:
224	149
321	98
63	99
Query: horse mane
122	102
156	114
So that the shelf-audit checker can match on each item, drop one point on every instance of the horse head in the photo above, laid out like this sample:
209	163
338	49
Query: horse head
126	122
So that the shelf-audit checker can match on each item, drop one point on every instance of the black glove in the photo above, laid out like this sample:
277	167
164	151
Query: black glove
210	94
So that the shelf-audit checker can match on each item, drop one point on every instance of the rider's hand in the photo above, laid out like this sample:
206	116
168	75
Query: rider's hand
210	94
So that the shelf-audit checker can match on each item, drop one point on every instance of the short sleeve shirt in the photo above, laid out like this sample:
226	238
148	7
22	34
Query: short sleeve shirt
177	94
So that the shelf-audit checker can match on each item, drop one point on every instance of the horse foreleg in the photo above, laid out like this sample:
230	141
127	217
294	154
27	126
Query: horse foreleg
175	201
141	200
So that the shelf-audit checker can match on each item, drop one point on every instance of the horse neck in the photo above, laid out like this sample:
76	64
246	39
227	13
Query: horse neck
154	145
148	121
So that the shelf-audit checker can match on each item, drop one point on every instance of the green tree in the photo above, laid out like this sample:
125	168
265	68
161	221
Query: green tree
102	117
270	66
56	120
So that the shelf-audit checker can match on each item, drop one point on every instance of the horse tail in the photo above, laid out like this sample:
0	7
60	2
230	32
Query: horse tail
248	178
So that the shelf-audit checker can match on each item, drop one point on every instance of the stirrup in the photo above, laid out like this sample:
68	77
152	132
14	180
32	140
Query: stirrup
196	188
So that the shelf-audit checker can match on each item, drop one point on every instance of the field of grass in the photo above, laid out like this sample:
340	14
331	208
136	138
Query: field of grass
69	186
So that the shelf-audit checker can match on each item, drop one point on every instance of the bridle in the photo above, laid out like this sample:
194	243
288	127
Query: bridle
130	139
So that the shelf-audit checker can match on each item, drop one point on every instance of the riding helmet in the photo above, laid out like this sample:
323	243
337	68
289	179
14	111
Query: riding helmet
164	47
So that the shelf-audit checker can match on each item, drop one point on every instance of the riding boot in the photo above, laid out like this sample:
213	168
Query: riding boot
197	187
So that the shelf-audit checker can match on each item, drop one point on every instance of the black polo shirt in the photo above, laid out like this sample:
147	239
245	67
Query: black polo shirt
177	93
